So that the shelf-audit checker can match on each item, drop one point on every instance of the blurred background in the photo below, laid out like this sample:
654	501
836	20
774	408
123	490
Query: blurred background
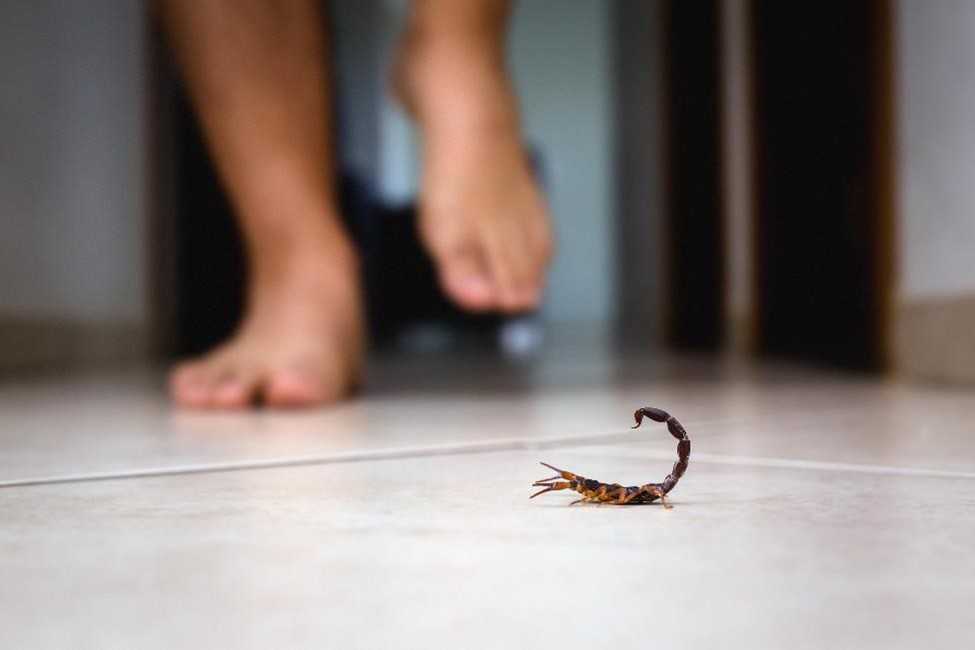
756	178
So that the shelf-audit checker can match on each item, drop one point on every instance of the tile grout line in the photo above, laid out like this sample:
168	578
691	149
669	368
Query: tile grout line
822	465
506	444
488	446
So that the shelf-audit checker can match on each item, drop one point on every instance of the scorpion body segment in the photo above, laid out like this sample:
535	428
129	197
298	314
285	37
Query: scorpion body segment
593	491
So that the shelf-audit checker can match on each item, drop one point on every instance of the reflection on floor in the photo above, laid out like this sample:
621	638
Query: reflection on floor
818	509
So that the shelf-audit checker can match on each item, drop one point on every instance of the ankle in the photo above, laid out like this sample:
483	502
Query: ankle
313	256
451	84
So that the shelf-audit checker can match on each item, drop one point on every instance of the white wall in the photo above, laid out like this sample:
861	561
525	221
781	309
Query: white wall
561	62
936	123
72	152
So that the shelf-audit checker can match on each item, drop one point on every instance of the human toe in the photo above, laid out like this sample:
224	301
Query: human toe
297	388
190	384
235	389
467	282
517	284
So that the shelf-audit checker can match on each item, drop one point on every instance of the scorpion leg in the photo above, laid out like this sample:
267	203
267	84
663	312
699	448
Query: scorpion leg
660	494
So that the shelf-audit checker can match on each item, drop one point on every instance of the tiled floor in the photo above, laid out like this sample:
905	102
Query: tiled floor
818	511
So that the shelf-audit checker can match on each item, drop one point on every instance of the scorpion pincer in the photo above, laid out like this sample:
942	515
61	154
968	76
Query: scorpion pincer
593	491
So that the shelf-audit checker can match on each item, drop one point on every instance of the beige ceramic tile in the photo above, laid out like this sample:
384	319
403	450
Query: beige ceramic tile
124	423
448	552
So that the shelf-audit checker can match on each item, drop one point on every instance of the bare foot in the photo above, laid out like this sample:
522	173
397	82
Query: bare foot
482	217
300	344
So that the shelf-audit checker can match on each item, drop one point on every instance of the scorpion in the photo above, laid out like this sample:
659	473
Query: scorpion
593	491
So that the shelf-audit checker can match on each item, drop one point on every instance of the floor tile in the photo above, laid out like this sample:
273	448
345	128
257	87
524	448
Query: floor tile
449	552
122	423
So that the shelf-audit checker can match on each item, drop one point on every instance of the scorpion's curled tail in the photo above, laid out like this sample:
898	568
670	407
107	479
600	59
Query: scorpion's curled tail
676	430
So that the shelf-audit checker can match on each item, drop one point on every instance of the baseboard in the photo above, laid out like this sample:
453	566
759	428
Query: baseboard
42	343
934	339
